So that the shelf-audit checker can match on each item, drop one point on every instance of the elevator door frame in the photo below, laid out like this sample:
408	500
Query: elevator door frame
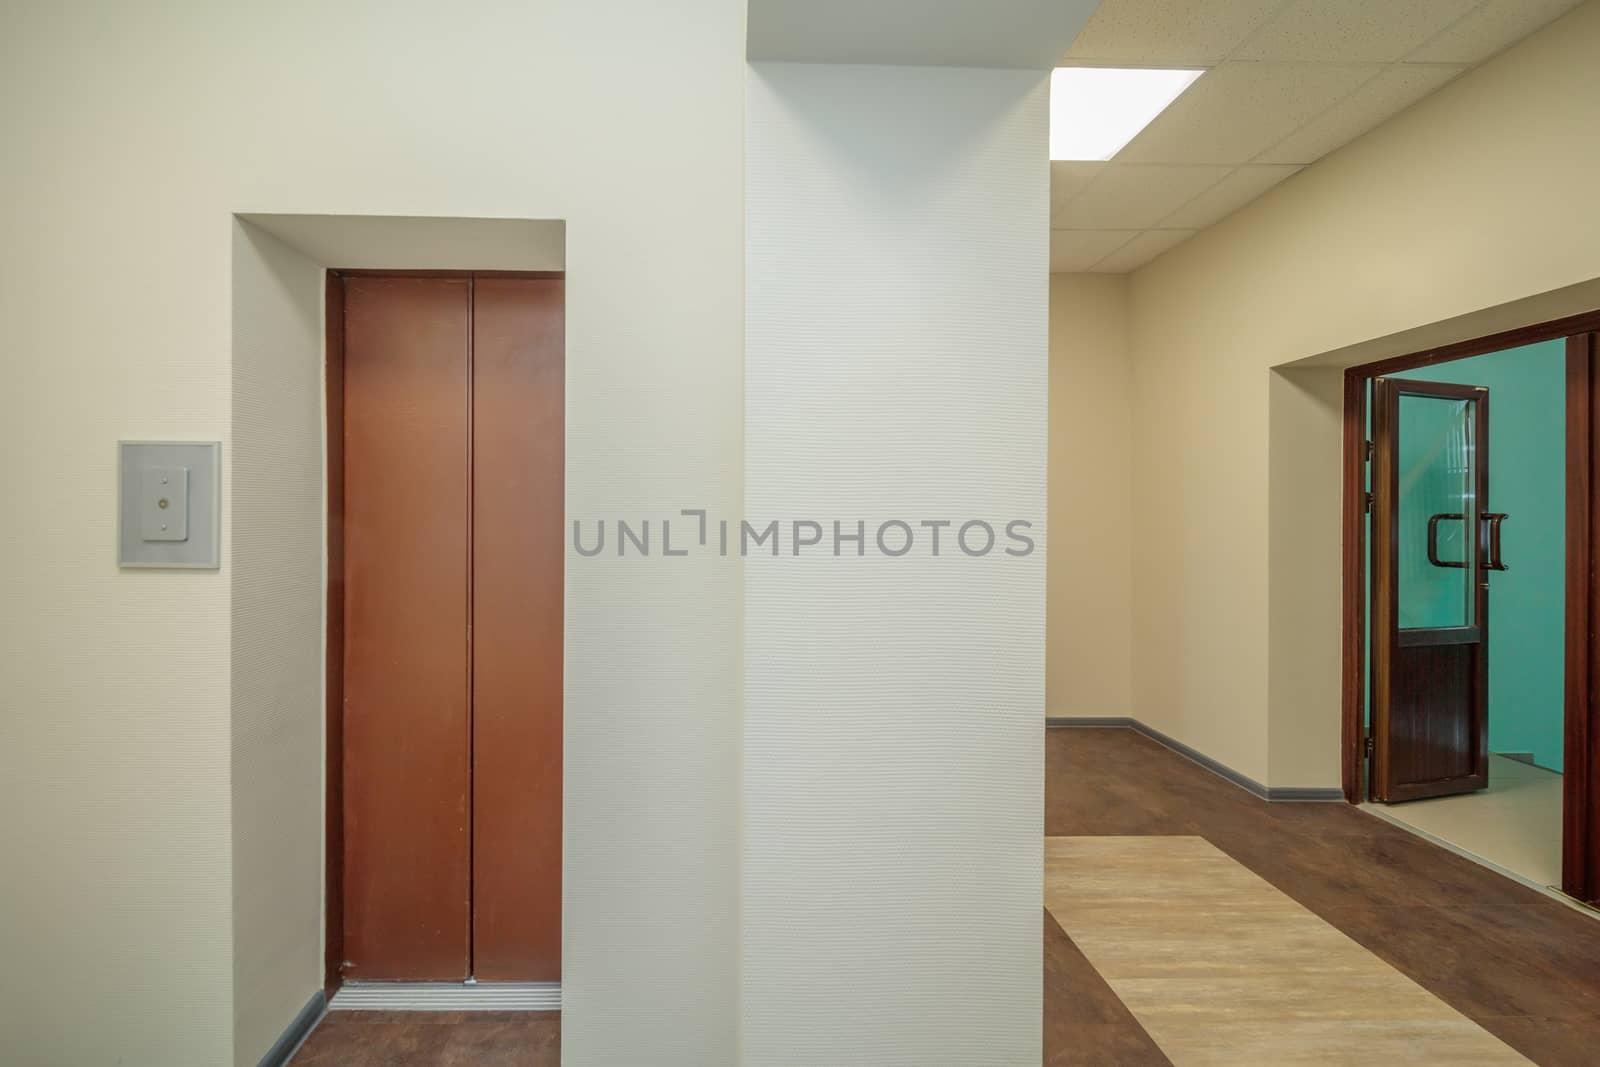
333	696
1580	823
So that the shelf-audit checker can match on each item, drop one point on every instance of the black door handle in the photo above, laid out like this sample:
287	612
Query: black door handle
1493	561
1488	540
1433	539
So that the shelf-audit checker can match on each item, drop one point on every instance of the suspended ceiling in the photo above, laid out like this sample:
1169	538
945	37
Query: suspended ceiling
1288	82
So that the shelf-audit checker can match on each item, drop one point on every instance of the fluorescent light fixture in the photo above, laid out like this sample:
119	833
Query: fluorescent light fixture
1094	111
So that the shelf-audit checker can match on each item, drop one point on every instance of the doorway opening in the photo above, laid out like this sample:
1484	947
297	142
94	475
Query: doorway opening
1469	652
445	443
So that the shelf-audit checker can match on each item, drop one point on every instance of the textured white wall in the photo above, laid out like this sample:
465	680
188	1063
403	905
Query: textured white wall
133	134
277	615
895	368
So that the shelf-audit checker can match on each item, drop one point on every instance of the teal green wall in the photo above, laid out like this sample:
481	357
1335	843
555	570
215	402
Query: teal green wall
1527	480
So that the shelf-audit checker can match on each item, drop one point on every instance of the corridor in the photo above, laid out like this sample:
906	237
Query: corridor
1454	959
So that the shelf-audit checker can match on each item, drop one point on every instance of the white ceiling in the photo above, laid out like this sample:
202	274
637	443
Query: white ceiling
1290	81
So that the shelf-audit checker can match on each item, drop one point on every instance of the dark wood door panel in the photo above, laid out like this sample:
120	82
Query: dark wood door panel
1432	752
518	558
406	770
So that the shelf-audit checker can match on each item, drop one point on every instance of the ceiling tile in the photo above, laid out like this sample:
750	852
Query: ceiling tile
1075	251
1141	250
1227	196
1495	26
1352	31
1391	92
1239	110
1157	33
1068	178
1136	196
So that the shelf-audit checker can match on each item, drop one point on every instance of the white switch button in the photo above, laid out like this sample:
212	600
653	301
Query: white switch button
164	503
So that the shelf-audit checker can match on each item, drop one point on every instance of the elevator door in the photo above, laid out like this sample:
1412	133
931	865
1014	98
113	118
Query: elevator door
1434	544
452	535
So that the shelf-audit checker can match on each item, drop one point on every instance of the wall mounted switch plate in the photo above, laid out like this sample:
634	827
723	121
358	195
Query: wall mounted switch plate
169	496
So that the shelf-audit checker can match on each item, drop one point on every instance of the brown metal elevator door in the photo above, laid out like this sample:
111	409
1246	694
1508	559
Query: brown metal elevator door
406	756
453	512
517	555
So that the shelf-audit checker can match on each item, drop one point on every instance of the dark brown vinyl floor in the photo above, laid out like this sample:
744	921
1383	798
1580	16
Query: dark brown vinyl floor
1523	966
434	1039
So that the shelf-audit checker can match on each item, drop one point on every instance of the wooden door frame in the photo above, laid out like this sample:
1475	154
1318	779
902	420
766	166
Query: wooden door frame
1580	822
333	694
1581	767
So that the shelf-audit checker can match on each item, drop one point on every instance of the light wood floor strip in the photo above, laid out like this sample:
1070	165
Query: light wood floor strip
1220	967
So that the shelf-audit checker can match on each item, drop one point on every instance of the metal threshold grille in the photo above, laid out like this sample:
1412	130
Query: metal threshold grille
447	996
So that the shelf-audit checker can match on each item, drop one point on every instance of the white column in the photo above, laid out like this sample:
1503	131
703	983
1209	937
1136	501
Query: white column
895	371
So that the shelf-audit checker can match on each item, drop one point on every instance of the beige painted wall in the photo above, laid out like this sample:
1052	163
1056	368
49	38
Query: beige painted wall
1478	196
133	134
276	635
1089	630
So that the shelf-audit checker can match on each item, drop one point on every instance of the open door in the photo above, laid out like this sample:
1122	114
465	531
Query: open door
1416	628
1434	542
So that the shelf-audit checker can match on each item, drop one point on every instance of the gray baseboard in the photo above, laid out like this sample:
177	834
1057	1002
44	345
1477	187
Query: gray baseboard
1221	770
1094	720
289	1041
1322	794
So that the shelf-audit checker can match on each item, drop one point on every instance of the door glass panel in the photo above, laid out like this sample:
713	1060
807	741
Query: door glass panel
1439	510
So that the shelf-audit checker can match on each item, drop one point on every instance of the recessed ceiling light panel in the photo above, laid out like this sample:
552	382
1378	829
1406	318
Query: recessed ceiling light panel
1094	111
